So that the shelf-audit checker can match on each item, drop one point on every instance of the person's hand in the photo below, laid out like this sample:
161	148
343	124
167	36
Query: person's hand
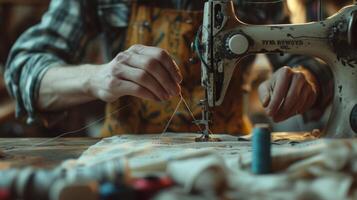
141	71
289	92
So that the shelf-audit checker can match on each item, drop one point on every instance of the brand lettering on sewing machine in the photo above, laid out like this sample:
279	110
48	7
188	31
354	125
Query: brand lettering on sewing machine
283	42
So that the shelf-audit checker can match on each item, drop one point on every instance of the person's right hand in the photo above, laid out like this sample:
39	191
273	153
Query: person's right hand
141	71
289	92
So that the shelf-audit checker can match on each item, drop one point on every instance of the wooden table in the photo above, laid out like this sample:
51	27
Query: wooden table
21	152
24	152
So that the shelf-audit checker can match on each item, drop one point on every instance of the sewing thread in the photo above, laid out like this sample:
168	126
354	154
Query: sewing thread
172	116
72	132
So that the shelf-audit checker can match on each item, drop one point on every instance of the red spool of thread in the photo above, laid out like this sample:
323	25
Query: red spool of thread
4	194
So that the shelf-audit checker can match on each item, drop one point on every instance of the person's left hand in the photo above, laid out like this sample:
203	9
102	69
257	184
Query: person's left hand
289	92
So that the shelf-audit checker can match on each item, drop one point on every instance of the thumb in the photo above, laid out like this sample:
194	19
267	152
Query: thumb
264	93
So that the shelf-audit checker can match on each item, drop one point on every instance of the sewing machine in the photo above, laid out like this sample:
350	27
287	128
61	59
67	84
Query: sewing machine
226	40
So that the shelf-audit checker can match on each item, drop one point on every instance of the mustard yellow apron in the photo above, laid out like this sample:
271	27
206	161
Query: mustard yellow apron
173	30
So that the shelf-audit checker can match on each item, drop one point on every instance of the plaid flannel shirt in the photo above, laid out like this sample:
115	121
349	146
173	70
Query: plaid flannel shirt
61	37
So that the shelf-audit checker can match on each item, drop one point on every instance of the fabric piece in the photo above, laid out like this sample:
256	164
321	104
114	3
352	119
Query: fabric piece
288	137
161	148
319	169
209	173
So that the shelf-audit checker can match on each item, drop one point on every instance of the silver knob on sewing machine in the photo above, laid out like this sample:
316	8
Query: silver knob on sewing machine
238	44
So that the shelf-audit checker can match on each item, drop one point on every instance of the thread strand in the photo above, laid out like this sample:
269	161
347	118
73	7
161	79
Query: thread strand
72	132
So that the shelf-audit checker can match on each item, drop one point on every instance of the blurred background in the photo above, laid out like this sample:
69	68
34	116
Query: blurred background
15	17
18	15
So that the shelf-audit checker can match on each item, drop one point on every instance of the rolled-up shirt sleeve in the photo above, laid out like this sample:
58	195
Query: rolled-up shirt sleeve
59	39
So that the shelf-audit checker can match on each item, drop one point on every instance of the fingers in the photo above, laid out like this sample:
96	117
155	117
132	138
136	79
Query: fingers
309	101
134	89
293	94
162	56
147	69
264	93
282	84
295	89
293	109
156	70
293	98
143	79
298	108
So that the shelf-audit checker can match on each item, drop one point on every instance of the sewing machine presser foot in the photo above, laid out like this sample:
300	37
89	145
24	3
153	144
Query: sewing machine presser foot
205	121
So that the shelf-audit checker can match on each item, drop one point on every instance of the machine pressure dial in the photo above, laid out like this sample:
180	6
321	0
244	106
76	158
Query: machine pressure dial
238	44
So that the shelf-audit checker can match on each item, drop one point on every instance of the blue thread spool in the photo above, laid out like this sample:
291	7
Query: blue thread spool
108	191
261	143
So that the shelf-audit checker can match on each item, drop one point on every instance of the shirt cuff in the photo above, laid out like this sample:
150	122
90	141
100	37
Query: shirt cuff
31	76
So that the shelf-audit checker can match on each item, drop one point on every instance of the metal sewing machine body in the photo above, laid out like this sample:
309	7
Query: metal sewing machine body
226	40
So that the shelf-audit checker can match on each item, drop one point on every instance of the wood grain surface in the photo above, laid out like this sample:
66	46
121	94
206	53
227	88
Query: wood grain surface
22	152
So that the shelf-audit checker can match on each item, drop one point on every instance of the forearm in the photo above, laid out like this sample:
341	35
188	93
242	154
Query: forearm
65	86
151	75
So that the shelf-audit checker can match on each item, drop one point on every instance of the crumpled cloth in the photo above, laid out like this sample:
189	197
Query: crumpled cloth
323	169
203	174
288	137
318	169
